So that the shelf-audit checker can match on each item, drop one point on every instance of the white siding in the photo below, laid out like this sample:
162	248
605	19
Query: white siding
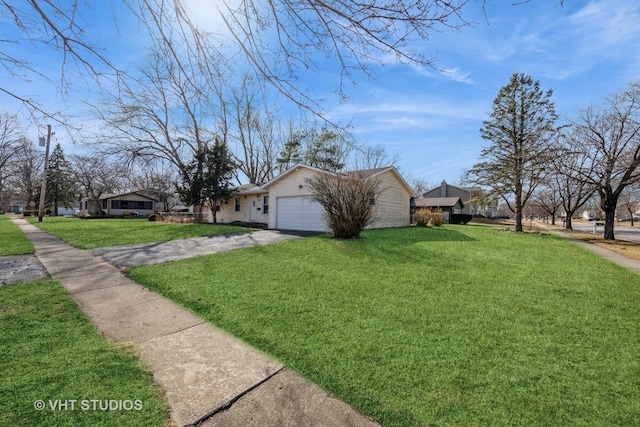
228	214
288	186
392	206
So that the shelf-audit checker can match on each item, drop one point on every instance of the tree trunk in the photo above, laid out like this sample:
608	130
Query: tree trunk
609	219
568	225
518	226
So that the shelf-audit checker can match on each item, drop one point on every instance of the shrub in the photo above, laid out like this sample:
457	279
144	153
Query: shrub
348	201
153	217
436	219
175	218
426	217
421	217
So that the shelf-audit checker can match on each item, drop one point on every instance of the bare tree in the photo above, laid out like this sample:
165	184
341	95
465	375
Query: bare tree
276	39
348	201
356	34
371	157
96	176
157	178
11	141
611	140
254	131
25	172
419	186
170	113
568	167
629	201
546	201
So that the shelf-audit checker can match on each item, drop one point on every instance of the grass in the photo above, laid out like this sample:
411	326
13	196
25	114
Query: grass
624	247
458	325
50	352
13	239
100	233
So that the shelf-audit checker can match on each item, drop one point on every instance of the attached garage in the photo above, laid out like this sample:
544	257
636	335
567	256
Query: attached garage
291	208
299	213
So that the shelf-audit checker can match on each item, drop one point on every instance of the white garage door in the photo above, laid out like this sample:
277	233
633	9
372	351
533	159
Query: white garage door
299	213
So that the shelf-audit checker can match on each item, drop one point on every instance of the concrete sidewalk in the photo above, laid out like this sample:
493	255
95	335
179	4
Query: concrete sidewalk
608	254
209	377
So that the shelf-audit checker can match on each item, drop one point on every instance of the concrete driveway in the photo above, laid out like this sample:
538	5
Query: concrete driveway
20	268
129	256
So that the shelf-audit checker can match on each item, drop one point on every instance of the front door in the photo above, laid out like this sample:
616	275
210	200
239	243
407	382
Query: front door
253	212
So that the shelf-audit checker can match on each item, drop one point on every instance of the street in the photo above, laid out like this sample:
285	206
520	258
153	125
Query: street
623	232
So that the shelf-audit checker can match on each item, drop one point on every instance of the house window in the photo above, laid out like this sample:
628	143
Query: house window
236	205
131	204
265	205
104	204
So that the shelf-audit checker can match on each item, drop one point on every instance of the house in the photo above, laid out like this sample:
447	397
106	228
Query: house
17	206
248	203
448	190
134	203
285	202
448	205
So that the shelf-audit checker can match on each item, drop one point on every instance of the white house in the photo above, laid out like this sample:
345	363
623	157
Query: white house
284	203
126	204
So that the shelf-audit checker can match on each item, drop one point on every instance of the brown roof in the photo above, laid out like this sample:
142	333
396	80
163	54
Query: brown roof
366	173
433	202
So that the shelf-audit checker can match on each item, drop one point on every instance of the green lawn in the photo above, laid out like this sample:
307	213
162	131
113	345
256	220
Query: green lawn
50	353
13	239
100	233
459	325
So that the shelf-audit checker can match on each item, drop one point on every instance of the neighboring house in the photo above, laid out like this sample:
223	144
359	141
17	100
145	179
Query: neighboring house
125	204
17	206
448	205
285	202
448	190
590	215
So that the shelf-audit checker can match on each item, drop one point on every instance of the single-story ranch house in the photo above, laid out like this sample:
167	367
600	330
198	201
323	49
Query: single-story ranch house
121	204
284	203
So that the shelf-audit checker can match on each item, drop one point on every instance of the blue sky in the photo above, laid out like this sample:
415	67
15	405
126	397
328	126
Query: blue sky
429	118
584	51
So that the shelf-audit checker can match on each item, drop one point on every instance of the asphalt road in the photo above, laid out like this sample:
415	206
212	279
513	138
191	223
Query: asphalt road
622	232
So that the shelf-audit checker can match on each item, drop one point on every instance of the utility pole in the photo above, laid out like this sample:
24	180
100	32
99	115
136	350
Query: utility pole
44	175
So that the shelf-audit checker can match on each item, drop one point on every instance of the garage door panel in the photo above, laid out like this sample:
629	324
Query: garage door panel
299	213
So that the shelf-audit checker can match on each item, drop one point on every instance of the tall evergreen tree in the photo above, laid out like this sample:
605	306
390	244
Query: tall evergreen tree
325	149
207	180
61	189
520	132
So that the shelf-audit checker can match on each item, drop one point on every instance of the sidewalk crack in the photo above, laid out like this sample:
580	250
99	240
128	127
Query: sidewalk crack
228	404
